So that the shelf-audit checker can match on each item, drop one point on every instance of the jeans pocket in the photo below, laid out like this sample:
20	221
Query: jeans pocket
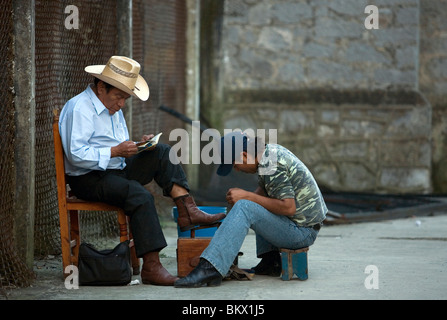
304	237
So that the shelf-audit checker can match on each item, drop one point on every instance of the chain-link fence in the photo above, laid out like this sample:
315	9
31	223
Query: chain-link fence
160	44
61	55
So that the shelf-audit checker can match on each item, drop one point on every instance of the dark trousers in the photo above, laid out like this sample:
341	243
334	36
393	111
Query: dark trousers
125	189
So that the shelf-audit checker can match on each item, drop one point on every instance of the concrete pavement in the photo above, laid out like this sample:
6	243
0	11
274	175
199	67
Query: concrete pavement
394	259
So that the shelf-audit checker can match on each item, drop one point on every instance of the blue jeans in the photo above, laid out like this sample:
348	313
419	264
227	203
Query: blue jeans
272	232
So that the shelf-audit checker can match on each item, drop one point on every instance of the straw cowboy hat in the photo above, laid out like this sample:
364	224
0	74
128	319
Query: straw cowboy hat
123	73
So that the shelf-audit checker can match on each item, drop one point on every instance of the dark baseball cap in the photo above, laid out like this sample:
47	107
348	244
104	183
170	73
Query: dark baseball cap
231	145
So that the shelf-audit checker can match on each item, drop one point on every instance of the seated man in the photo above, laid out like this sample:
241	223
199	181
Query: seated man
286	210
103	165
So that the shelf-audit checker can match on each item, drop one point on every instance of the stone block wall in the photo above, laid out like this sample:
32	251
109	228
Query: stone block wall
433	82
345	99
349	145
284	44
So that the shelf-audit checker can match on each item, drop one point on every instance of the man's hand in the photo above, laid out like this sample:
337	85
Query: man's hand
125	149
236	194
147	137
284	207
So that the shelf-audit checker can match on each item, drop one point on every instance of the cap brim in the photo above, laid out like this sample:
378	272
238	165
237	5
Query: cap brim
141	90
224	169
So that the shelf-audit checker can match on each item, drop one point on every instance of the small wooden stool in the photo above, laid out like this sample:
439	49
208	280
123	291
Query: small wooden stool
294	262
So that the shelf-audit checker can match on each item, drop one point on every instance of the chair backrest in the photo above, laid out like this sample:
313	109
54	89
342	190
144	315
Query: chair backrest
59	161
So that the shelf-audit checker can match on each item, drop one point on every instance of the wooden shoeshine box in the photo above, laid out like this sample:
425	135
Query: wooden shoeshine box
188	253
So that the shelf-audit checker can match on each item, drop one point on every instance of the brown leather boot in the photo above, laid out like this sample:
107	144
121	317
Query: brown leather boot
189	215
154	273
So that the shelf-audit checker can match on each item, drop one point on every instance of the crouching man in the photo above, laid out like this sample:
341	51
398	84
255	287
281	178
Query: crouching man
286	210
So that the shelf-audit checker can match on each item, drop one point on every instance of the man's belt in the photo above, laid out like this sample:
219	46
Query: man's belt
316	227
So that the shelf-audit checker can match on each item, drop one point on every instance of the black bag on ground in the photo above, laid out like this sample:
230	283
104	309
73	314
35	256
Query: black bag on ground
111	267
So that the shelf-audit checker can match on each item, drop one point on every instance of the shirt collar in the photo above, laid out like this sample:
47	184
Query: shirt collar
99	106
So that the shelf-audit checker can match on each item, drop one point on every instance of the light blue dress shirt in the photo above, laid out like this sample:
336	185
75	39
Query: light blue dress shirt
88	132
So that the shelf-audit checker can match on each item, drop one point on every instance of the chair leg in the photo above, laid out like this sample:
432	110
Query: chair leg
135	261
299	262
287	267
133	254
65	241
126	234
122	221
74	235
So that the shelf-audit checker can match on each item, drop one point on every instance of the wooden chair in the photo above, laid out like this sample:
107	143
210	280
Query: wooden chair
69	207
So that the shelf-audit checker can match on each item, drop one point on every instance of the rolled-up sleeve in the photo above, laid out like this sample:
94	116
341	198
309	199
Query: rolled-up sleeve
104	158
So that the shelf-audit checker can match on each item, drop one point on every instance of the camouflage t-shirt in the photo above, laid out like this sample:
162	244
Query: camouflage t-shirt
283	176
